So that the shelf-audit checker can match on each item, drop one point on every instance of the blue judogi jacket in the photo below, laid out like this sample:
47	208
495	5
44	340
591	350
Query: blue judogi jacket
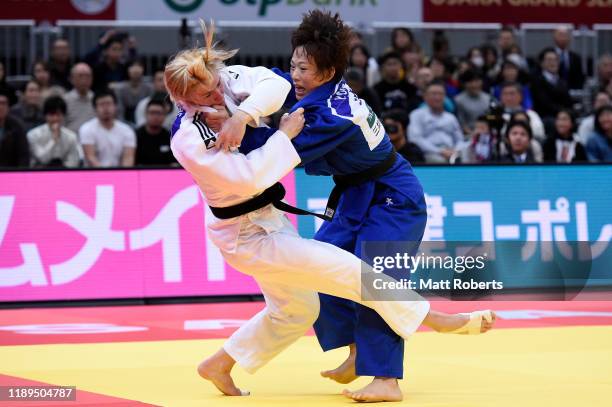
342	135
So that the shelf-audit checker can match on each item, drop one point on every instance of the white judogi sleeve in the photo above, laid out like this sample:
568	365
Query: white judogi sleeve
229	178
258	91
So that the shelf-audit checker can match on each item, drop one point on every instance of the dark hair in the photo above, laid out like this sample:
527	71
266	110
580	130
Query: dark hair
600	91
103	93
514	85
403	30
469	76
397	115
325	39
598	113
523	125
363	49
40	62
54	104
545	51
435	82
572	117
155	101
354	74
389	55
524	113
507	28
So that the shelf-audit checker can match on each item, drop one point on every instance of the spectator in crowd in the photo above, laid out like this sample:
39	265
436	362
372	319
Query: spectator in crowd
359	58
587	125
79	100
518	138
106	141
392	90
599	146
357	39
549	91
153	140
110	69
598	83
510	73
476	59
396	124
59	64
441	73
159	91
563	146
402	40
570	63
441	48
29	108
42	76
5	88
14	149
536	147
52	144
505	41
482	147
356	81
413	61
423	78
516	55
132	91
434	130
511	100
491	65
472	102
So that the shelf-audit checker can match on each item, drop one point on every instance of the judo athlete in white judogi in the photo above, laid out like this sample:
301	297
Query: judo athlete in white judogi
262	242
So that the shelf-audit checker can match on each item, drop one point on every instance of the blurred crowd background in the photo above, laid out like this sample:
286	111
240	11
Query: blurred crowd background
107	107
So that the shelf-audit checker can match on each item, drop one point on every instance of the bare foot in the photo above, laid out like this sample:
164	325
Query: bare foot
381	389
345	373
442	322
217	369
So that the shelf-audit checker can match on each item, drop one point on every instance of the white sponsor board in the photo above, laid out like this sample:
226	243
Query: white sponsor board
355	11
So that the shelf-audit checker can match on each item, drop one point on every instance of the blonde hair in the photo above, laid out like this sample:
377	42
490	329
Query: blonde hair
194	67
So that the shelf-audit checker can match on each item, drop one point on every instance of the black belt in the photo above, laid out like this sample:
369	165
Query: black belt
276	193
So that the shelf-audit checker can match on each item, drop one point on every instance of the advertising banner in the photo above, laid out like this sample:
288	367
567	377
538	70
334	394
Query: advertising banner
52	10
515	12
356	11
109	234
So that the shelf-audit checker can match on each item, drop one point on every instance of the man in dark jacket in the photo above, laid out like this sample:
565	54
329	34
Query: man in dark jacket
14	148
549	90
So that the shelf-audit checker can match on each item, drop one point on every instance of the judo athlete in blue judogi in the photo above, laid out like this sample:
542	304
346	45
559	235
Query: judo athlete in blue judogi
344	138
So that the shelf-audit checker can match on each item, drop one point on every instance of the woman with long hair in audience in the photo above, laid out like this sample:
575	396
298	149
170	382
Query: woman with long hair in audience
563	146
599	146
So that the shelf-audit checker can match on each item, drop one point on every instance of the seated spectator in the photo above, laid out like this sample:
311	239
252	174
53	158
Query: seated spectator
106	141
396	124
570	63
434	130
153	140
52	144
359	58
505	40
511	73
110	69
6	88
511	99
549	91
402	40
42	76
355	80
29	108
536	147
413	61
59	64
475	58
14	149
563	146
357	39
79	101
587	125
518	139
472	102
483	145
392	90
441	72
599	146
159	91
132	91
598	83
423	78
491	64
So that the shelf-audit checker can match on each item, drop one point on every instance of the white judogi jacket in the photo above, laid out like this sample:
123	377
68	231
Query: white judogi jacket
225	178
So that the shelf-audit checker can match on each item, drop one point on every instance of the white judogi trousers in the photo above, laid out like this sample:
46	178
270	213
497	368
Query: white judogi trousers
290	271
